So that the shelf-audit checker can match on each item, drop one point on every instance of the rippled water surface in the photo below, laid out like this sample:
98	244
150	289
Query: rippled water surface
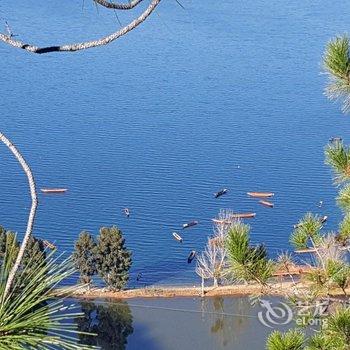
217	95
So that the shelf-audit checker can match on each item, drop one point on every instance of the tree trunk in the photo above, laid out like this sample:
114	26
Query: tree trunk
202	286
32	212
8	39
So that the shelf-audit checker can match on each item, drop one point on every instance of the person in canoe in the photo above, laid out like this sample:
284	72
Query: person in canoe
190	224
191	256
126	212
220	193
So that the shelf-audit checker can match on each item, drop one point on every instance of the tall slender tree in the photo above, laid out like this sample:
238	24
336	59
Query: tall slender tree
113	258
84	257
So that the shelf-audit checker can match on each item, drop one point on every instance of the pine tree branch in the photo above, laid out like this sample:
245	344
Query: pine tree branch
6	38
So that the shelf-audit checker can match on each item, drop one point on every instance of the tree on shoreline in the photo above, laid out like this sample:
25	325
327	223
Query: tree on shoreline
246	262
84	257
113	260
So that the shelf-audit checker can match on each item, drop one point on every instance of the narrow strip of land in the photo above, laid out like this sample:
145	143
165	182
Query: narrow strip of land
277	289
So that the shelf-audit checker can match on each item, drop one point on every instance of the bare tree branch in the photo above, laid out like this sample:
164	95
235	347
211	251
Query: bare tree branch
84	45
118	6
32	212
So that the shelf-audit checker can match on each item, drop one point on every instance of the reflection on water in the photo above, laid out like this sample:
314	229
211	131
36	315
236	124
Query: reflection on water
226	329
111	322
172	324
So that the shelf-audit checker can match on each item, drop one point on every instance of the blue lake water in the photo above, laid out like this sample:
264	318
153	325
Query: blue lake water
216	95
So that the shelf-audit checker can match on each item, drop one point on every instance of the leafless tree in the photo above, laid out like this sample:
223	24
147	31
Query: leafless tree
9	39
211	263
32	212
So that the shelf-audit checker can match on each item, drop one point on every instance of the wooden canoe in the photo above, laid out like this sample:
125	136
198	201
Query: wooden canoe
216	241
53	190
177	237
234	217
313	250
267	204
260	194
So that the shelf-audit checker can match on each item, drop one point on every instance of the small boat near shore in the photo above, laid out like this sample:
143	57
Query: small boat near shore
233	217
48	244
324	219
220	193
335	139
53	190
190	224
260	194
191	256
267	204
177	237
216	241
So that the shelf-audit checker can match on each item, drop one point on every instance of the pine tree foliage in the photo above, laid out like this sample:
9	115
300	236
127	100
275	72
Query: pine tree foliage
33	256
291	340
307	229
113	259
336	63
246	262
84	257
322	342
338	158
30	318
2	241
338	325
344	230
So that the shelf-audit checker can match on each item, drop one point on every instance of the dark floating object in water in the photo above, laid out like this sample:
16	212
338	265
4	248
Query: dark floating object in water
191	256
267	204
335	139
220	193
126	212
323	219
139	275
177	237
53	190
190	224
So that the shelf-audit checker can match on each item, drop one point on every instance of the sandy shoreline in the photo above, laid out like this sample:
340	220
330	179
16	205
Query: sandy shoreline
277	289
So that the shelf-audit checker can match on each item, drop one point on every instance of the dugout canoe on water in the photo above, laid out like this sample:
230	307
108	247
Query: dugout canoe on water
233	217
53	190
177	237
266	204
260	194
